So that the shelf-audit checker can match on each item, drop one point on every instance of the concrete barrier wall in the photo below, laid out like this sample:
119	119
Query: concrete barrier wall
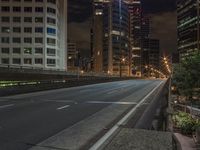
49	85
155	116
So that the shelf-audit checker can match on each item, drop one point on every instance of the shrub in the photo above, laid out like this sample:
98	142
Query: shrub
185	122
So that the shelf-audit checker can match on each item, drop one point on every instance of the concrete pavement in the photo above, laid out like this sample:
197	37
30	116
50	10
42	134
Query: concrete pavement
138	139
71	118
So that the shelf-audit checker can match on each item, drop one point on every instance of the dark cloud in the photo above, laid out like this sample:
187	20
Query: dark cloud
163	22
79	10
157	6
80	33
164	28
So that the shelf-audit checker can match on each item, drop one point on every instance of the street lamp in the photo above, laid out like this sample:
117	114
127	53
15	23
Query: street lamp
168	64
120	42
122	61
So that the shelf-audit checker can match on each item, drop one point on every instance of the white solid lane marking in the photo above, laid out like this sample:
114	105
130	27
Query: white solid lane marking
119	103
63	107
102	140
5	106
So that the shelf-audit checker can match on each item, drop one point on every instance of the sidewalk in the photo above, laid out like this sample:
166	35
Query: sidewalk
187	143
138	139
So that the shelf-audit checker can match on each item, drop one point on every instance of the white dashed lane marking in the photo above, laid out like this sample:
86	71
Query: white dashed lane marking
6	106
63	107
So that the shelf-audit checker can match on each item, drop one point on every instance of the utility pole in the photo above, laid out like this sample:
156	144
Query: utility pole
198	30
78	61
120	42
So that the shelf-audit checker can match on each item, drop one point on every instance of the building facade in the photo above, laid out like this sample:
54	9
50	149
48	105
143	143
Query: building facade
151	53
151	57
111	37
134	7
33	33
72	55
97	36
145	27
188	27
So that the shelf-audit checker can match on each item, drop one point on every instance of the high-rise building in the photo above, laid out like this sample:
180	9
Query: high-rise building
33	33
145	27
72	55
97	36
110	37
151	53
188	12
134	7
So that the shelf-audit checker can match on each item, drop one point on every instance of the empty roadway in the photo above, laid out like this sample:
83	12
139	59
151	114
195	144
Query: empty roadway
66	118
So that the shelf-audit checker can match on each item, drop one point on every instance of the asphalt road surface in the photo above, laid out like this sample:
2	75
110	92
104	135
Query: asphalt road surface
69	118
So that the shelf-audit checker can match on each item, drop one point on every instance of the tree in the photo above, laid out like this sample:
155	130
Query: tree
187	77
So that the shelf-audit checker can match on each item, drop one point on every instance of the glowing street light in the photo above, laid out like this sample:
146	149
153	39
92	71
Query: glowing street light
82	71
120	42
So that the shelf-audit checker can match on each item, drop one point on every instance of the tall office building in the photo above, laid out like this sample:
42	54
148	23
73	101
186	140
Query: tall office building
97	36
151	53
145	27
110	37
188	27
72	55
134	7
33	33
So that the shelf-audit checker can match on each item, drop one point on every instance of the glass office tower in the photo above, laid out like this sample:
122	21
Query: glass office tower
188	27
111	37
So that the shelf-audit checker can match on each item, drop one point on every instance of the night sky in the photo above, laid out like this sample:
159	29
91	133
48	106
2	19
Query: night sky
163	25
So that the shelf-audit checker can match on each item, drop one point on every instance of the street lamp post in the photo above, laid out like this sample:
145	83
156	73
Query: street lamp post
120	40
78	64
122	61
120	68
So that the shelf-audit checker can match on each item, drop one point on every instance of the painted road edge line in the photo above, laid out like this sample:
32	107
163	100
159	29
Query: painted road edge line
63	107
102	140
